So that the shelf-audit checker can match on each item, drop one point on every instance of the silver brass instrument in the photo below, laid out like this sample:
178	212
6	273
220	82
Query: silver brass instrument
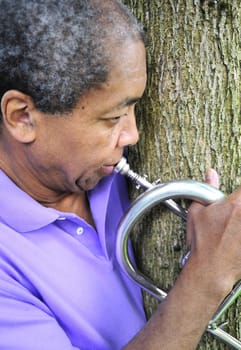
165	193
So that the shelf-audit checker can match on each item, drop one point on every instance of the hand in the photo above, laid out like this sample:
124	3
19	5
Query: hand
214	237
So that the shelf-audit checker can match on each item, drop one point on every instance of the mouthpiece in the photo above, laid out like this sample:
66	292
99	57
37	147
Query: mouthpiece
124	169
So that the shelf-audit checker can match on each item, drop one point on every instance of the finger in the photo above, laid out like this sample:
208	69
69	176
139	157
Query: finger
194	207
212	178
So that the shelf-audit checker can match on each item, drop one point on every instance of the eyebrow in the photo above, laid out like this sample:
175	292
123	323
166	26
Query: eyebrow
128	102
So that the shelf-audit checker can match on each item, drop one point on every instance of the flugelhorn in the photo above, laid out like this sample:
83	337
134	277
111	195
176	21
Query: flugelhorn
165	193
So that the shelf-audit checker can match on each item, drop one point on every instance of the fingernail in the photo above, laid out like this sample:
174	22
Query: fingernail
212	178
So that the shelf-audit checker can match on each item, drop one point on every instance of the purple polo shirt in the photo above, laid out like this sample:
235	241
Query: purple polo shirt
60	285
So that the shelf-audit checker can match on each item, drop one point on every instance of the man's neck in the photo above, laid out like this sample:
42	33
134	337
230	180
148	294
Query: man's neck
24	178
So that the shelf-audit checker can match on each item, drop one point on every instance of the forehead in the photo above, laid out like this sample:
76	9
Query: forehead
126	82
128	60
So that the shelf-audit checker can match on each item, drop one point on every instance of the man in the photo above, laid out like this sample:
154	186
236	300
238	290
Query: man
71	73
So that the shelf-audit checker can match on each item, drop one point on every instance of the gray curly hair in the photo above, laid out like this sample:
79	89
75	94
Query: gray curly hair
55	50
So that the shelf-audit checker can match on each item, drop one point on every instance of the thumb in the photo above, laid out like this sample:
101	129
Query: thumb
212	178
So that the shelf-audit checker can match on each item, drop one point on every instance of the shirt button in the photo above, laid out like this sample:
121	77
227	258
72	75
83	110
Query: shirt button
80	231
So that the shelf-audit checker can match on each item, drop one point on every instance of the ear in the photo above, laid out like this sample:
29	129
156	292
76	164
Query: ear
18	117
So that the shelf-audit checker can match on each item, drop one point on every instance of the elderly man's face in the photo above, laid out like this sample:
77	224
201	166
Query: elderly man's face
73	152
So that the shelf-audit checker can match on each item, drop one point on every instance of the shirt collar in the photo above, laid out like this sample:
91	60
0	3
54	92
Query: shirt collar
24	214
107	209
20	211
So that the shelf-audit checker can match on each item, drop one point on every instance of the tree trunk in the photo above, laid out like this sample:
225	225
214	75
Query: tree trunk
189	120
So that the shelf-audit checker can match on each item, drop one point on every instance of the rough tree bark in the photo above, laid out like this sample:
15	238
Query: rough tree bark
189	120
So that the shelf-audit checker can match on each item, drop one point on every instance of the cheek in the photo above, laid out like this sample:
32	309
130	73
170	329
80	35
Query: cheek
108	139
89	145
114	136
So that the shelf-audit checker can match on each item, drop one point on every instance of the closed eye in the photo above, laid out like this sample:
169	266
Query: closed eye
117	118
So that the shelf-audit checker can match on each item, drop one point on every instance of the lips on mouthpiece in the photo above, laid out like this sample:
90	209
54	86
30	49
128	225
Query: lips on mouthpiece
107	169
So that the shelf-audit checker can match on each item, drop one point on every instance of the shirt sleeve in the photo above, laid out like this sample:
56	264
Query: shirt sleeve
26	323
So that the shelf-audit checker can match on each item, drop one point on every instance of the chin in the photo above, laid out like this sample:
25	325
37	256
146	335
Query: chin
88	184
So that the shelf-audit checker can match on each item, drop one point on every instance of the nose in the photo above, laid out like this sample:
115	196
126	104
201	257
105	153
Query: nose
129	134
